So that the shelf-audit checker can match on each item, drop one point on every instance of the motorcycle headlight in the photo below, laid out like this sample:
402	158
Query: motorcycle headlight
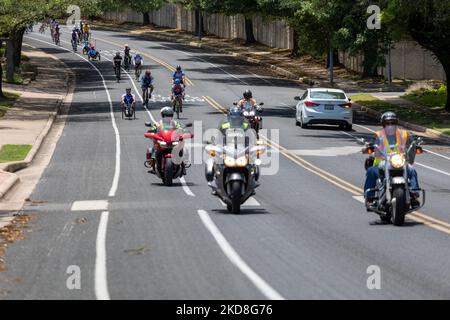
242	161
245	114
175	143
229	162
397	161
163	143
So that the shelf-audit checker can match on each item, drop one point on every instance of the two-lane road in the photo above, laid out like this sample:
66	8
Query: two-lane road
305	234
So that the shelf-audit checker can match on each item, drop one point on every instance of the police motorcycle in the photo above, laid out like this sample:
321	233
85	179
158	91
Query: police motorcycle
392	192
232	168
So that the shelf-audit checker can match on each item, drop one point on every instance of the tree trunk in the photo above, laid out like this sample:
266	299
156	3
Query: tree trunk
370	64
146	18
197	21
249	36
296	47
446	66
1	72
10	61
18	40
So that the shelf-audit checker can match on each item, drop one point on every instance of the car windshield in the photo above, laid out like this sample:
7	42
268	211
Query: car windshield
327	95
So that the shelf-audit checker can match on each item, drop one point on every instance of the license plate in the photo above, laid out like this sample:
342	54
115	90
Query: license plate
329	107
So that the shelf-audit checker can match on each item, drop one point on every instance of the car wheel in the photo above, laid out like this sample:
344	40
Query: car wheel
302	124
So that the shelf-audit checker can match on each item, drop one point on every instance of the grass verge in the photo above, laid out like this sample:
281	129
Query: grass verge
7	102
14	152
432	118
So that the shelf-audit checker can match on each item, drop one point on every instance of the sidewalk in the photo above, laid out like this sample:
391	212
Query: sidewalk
31	117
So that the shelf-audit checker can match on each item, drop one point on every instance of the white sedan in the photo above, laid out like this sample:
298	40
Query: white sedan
324	106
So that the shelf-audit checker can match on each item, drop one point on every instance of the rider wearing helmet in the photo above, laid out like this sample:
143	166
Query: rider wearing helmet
166	123
177	90
117	60
138	60
247	98
128	99
389	135
179	74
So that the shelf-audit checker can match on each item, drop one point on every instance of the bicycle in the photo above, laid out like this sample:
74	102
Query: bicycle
74	45
137	71
117	72
57	34
178	105
146	95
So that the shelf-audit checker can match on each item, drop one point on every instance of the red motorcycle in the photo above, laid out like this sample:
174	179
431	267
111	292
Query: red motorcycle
252	116
168	147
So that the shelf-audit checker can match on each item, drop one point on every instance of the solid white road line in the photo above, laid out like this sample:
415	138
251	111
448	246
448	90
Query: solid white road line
115	183
101	283
89	205
186	188
234	257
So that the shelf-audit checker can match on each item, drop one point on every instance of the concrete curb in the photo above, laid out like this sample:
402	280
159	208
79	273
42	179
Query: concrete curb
10	182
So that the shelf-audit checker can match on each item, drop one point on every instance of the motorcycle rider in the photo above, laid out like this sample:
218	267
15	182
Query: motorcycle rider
391	134
128	99
177	90
166	123
247	97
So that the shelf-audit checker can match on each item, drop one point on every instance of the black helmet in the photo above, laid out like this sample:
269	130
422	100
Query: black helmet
390	117
128	90
178	68
247	94
166	112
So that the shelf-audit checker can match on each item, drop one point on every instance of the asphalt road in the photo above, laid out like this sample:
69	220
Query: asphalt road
305	235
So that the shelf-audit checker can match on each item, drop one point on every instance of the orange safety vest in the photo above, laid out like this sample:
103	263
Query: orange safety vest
401	138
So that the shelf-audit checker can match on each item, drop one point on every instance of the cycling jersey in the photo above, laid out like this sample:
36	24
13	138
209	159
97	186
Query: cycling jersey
138	59
177	89
178	75
128	98
117	60
146	81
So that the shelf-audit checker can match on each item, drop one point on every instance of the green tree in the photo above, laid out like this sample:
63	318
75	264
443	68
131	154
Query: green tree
427	22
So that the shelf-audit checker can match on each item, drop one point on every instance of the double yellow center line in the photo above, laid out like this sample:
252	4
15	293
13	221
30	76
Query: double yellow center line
159	61
340	183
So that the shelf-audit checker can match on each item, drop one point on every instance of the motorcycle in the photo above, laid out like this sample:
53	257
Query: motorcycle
392	192
234	167
128	111
251	114
168	146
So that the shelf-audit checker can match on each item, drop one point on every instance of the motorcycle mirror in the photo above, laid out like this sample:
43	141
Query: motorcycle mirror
188	125
234	103
297	98
261	103
148	124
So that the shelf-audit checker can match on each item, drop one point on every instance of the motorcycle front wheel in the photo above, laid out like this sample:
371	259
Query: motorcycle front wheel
235	206
168	173
398	212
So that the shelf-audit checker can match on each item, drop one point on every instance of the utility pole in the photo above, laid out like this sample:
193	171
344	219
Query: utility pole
389	63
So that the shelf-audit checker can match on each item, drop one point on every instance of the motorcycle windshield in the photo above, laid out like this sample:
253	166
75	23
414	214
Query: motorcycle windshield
236	121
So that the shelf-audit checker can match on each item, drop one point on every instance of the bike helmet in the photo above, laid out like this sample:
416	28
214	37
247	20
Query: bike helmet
148	72
247	94
177	81
128	90
126	45
117	53
167	112
178	68
389	117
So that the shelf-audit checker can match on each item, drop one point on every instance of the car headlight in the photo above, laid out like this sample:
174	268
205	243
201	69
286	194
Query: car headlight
397	161
230	162
242	161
